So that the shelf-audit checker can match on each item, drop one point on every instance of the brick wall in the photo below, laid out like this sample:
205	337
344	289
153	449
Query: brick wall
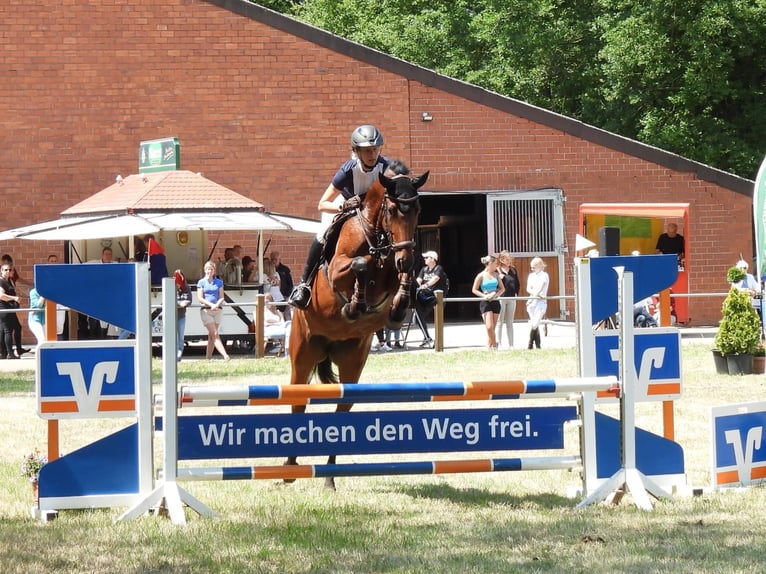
268	115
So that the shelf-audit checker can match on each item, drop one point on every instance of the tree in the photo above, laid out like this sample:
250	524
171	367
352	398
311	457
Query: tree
685	75
682	75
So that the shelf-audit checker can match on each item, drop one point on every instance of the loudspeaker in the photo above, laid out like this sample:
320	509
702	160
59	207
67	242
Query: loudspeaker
609	241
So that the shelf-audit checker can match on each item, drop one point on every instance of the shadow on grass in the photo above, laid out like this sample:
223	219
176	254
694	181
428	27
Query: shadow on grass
481	498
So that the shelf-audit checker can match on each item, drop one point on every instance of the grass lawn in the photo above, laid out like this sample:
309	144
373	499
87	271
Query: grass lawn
490	522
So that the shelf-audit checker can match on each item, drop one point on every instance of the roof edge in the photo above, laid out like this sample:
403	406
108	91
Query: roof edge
486	97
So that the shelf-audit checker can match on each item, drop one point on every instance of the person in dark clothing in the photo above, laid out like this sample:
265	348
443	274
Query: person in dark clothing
344	193
672	242
285	275
9	322
431	277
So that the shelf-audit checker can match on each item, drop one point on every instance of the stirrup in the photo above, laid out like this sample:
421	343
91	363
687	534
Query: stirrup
301	296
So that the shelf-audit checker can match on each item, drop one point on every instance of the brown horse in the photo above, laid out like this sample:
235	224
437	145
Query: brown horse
364	287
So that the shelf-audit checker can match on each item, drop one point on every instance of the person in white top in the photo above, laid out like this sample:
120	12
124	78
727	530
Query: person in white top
749	284
537	288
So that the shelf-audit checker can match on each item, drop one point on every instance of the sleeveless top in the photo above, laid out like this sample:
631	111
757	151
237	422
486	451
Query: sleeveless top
488	285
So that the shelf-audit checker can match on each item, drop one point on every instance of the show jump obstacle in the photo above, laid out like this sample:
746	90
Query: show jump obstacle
113	378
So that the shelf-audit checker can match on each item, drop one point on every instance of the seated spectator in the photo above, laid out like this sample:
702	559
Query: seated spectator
750	285
274	325
642	313
249	270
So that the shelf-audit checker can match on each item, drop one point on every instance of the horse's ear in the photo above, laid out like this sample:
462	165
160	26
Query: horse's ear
384	181
418	183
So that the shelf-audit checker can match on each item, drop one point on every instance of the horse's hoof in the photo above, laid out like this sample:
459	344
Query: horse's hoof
329	483
289	462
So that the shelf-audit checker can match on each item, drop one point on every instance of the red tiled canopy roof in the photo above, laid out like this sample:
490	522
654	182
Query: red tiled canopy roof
179	190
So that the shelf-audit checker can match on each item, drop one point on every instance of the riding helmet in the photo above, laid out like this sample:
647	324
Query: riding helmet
366	136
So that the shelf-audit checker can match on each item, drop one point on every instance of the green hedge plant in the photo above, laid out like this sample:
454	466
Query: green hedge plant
740	328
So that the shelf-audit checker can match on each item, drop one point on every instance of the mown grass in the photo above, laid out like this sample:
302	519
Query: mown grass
502	522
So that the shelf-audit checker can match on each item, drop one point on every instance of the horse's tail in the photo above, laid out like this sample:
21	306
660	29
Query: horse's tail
325	371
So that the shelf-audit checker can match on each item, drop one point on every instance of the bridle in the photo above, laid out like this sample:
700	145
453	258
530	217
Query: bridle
377	234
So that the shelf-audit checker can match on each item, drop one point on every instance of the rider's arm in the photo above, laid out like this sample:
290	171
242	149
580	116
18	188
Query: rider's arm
327	201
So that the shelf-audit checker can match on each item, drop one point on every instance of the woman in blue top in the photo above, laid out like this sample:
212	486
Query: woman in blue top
210	296
37	317
488	286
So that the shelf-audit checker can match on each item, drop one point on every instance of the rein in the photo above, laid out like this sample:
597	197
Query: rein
378	235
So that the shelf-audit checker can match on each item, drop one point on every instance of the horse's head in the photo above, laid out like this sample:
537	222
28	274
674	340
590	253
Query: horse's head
401	208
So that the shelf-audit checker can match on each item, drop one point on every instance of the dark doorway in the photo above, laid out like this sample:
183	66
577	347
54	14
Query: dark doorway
455	226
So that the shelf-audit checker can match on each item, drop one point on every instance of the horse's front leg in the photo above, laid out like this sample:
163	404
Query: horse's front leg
401	301
293	460
358	303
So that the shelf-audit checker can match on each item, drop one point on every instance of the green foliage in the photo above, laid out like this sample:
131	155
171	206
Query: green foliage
740	329
684	75
735	275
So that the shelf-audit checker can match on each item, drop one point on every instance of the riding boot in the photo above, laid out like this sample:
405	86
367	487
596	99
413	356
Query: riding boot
537	338
301	295
531	338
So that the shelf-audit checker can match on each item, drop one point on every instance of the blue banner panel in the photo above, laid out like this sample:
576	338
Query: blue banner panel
656	354
380	432
739	439
651	274
106	291
83	379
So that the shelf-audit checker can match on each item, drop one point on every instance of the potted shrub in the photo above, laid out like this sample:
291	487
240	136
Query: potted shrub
740	330
30	469
759	360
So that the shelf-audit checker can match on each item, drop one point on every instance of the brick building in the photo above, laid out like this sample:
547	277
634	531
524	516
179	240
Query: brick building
264	105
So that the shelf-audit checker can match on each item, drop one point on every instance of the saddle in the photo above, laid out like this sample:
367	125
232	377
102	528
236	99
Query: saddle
331	235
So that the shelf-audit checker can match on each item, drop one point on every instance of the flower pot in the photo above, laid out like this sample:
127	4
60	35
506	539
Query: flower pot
759	365
721	366
740	364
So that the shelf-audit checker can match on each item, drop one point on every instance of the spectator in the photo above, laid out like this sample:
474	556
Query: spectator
285	280
537	288
750	285
642	313
9	322
671	242
397	333
272	281
488	287
183	300
274	326
249	270
510	279
285	275
210	295
36	320
431	277
381	342
15	280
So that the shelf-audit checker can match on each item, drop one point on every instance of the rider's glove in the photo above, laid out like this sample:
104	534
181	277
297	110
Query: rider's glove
352	203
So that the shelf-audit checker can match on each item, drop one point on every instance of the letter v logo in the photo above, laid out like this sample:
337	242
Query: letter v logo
88	397
744	457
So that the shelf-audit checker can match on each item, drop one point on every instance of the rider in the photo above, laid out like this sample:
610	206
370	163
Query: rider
351	181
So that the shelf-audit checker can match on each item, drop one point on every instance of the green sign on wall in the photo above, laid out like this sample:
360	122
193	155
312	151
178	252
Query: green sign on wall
159	155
